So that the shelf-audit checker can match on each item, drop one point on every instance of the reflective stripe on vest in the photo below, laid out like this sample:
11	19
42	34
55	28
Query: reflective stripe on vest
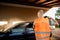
42	38
42	32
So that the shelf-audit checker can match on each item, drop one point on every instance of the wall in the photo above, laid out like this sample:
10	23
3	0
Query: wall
8	13
13	14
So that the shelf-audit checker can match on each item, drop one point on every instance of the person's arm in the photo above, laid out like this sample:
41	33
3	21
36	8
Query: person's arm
55	21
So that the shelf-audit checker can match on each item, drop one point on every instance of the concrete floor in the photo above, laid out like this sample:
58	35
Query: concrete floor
55	38
56	34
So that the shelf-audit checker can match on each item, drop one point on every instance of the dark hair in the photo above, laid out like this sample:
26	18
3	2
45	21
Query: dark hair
45	16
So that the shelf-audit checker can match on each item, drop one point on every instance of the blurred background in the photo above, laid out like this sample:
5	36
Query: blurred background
17	16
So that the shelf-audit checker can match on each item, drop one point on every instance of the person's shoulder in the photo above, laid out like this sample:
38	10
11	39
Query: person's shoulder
36	19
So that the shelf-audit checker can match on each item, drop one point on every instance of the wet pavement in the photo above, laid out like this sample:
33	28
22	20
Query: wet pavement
56	34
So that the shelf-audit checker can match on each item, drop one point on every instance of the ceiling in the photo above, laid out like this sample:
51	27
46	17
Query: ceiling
36	3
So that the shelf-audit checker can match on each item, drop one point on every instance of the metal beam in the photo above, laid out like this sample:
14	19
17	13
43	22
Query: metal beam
54	4
50	2
18	5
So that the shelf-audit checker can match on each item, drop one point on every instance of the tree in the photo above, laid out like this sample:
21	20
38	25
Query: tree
57	16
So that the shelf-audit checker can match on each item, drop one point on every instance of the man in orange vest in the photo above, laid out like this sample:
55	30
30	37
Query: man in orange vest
41	27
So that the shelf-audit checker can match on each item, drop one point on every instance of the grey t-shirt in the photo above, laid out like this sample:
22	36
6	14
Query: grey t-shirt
51	22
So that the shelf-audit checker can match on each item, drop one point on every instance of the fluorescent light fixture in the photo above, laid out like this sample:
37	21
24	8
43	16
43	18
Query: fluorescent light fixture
3	22
15	22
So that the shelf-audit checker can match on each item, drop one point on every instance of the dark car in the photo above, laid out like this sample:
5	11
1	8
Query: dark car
21	31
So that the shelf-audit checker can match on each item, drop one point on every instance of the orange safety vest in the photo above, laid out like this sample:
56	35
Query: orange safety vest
41	28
